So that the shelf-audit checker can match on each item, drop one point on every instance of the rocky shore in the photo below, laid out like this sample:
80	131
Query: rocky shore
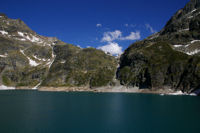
108	89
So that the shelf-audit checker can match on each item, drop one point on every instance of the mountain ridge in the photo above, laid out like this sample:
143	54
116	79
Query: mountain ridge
168	59
30	60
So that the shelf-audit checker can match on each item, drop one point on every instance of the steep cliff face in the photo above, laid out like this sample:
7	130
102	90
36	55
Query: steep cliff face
29	59
169	58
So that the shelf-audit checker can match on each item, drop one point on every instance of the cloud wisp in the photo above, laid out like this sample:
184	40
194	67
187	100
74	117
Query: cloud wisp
117	35
98	25
132	36
111	36
150	28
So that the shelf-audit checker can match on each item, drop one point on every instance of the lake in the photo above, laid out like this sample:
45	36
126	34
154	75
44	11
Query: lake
73	112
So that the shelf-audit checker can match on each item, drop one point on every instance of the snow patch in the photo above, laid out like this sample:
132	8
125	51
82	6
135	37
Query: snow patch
62	62
21	39
3	87
21	34
195	41
40	59
187	45
184	30
191	43
28	38
190	17
25	37
31	38
189	14
177	46
4	56
3	32
193	10
193	52
31	62
180	45
35	39
179	93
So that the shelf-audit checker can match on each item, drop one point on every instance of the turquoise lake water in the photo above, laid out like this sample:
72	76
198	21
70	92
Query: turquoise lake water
60	112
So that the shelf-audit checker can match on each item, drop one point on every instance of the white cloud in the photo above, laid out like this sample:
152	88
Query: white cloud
149	27
132	36
111	36
112	48
117	35
99	25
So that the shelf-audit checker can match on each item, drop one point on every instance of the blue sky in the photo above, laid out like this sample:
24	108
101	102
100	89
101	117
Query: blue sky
89	22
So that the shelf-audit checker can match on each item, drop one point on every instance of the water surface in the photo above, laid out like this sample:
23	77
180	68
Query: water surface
60	112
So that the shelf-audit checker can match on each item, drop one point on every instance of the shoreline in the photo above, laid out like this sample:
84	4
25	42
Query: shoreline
108	89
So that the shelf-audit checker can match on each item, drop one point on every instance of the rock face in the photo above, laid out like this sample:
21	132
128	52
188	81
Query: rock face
29	59
168	59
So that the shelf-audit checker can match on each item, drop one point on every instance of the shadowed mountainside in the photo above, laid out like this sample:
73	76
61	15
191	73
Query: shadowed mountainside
168	59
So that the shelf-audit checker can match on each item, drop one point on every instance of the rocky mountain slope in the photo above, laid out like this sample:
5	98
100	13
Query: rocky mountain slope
169	58
182	30
31	60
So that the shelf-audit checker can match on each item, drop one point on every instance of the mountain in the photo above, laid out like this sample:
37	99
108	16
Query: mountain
182	30
30	60
168	59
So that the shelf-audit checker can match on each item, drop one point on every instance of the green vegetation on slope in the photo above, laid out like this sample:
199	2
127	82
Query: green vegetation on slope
157	66
80	67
